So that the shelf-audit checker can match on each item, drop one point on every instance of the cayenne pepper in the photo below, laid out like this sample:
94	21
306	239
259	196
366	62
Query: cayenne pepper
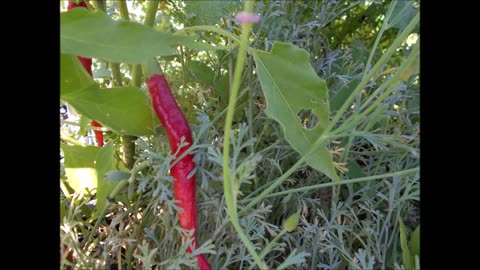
87	64
176	125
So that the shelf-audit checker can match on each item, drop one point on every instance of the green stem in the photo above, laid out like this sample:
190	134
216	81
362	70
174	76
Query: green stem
228	181
110	198
392	83
128	141
151	12
129	150
272	243
64	137
380	33
116	74
411	58
149	20
136	75
122	6
99	4
329	184
269	246
210	29
385	57
318	143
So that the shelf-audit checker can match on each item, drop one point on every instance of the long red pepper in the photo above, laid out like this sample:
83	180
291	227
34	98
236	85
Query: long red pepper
87	64
176	125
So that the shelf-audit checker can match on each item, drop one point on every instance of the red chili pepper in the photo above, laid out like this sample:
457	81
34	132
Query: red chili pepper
87	64
72	4
98	133
176	125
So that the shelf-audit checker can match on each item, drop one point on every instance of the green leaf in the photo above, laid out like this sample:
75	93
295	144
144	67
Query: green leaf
291	88
97	35
105	162
73	75
80	167
208	12
415	243
201	72
126	110
406	258
292	222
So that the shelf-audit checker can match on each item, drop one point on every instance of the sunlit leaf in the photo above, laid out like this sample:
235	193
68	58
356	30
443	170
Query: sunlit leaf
80	167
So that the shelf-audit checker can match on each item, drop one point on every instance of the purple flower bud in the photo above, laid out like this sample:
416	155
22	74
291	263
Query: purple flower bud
245	17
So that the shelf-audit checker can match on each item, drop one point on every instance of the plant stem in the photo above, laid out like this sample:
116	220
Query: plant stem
149	20
110	198
357	180
128	141
318	143
392	83
69	139
99	4
385	57
380	33
129	150
211	29
122	6
151	12
228	181
271	243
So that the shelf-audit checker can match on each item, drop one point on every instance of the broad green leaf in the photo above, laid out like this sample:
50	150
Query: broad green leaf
106	162
97	35
73	75
201	72
291	86
80	167
208	12
126	110
406	258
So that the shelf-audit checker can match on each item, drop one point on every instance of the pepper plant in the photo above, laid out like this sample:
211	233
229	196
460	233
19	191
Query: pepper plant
225	148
